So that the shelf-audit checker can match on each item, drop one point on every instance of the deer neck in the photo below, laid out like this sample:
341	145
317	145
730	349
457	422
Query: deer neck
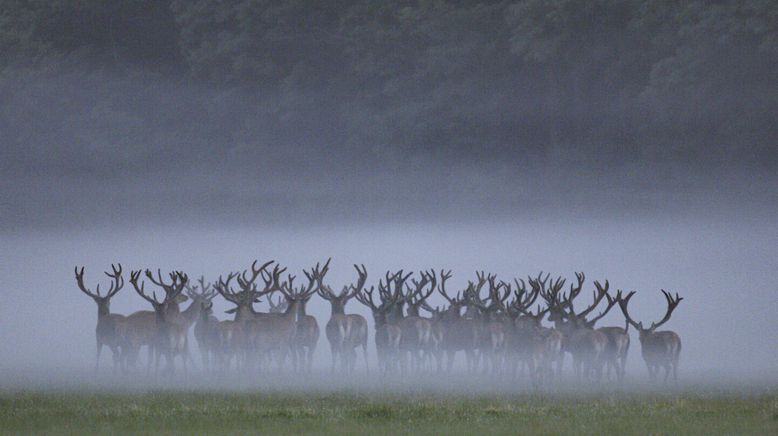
103	310
192	312
205	315
244	313
172	308
338	310
292	309
398	312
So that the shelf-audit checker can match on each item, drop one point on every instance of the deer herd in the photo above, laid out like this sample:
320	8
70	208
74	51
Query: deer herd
497	325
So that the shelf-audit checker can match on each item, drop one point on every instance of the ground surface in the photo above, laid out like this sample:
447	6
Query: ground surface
207	412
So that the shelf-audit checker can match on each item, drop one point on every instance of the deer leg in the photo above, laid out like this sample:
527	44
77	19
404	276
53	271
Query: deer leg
149	359
675	371
206	358
473	361
187	353
99	350
333	354
667	371
449	360
364	355
309	358
156	361
599	368
184	357
116	359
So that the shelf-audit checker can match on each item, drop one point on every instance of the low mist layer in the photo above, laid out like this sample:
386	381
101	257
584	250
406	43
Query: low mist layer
724	270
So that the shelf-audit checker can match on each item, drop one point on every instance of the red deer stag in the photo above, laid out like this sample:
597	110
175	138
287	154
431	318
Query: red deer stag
495	324
416	338
387	333
523	331
205	322
141	329
110	326
345	332
586	345
616	351
459	333
427	333
170	338
659	348
247	337
303	330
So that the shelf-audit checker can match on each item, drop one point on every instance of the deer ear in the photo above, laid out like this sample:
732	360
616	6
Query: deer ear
233	310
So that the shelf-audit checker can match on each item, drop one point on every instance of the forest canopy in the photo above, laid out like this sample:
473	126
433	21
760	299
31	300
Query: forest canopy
386	82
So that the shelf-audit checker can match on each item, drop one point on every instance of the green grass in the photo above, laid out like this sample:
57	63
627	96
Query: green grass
360	413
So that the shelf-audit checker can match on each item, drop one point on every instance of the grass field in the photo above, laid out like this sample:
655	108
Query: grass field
359	413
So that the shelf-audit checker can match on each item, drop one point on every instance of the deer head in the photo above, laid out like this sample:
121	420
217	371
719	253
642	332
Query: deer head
103	300
248	292
201	292
416	295
672	303
171	290
295	298
338	301
379	310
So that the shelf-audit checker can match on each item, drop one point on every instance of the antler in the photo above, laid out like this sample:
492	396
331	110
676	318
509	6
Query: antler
287	287
524	299
496	297
352	290
482	280
116	284
430	309
385	289
275	306
247	283
611	302
202	291
598	295
223	287
442	288
392	289
417	295
315	276
575	290
672	303
474	290
272	282
177	282
540	283
623	302
551	295
172	290
366	297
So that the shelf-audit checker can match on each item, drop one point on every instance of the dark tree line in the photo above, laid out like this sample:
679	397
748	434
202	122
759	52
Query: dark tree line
618	80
